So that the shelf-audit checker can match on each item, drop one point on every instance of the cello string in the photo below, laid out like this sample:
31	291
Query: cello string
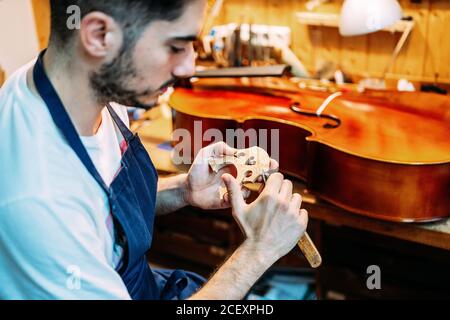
326	103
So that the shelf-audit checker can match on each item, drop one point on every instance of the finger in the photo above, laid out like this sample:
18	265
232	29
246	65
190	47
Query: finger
274	165
246	193
213	150
273	184
296	203
219	149
304	217
225	202
286	190
234	193
226	198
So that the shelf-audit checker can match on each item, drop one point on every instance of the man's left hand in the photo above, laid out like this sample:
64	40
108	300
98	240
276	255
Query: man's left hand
203	185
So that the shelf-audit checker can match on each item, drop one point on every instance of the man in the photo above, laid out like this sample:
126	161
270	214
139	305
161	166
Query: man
78	193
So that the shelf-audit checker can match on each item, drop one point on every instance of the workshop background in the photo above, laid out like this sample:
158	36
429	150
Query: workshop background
424	57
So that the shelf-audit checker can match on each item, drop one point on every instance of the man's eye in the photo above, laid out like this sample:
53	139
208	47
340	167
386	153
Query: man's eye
176	49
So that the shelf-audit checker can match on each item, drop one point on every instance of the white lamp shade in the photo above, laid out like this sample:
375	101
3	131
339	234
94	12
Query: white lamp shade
367	16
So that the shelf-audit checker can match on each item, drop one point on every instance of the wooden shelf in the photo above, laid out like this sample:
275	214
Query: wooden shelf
332	20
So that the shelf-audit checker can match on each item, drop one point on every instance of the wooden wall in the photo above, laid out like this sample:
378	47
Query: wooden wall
41	10
425	57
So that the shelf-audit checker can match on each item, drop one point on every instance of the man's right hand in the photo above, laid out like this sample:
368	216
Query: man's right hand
273	223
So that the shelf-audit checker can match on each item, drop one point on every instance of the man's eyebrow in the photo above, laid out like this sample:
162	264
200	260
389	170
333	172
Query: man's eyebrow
190	38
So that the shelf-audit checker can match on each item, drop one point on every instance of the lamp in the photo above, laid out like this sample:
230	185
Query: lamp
366	16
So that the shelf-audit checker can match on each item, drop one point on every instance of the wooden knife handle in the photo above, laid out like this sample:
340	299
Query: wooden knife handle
310	251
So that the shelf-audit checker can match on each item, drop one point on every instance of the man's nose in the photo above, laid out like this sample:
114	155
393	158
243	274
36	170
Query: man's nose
186	66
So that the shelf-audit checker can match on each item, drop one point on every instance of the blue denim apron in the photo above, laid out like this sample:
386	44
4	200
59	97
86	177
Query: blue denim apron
132	199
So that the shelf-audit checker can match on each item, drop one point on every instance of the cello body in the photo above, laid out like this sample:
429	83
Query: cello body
386	157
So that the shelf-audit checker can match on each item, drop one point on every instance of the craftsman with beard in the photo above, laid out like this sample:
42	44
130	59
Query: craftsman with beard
78	192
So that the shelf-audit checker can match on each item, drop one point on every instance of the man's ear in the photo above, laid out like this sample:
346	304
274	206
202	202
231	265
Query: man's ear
100	35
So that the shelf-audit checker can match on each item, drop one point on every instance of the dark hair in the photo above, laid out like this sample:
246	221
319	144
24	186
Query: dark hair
132	15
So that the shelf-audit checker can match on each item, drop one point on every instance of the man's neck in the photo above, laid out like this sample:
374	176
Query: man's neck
71	82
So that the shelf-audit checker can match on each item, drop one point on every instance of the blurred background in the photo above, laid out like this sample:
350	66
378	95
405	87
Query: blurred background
313	36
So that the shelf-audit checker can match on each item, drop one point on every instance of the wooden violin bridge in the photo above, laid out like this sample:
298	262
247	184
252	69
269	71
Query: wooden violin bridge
250	164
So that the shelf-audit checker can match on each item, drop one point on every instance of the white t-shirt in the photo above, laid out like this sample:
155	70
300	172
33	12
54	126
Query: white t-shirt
56	231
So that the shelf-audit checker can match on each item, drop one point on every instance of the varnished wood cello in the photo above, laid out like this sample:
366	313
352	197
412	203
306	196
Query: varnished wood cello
382	154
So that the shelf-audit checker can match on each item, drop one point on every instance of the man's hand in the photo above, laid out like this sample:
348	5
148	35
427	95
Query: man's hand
273	223
203	184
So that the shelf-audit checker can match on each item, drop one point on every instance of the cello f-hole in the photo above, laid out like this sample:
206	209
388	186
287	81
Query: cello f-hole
337	122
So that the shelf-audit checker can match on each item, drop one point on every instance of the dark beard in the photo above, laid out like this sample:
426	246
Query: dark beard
110	82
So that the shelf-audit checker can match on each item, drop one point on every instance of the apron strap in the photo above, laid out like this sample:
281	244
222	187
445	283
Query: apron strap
175	284
126	133
62	119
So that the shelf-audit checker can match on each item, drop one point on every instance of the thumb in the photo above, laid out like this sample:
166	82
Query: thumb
235	196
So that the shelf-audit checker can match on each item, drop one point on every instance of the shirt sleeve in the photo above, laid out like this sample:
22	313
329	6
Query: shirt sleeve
51	250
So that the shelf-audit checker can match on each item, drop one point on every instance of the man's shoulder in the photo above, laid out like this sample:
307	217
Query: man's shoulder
20	110
24	118
34	156
16	83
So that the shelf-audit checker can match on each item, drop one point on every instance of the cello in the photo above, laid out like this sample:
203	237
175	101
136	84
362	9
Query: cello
381	154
